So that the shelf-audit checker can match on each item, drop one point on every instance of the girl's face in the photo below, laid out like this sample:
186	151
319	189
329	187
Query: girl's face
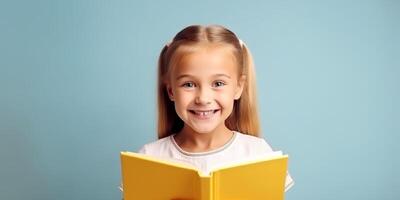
204	86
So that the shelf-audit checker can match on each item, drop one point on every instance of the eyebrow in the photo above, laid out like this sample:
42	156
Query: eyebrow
188	75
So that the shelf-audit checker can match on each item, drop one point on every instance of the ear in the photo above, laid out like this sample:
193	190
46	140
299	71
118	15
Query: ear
240	86
169	91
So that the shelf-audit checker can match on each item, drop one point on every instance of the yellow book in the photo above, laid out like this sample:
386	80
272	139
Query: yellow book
148	178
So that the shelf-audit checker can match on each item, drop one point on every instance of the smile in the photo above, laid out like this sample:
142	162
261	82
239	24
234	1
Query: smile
204	113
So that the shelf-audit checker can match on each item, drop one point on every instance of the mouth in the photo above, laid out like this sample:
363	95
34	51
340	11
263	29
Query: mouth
204	113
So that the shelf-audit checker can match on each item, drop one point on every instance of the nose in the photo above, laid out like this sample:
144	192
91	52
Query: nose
203	96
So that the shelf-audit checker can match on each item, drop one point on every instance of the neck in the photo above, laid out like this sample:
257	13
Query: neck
191	141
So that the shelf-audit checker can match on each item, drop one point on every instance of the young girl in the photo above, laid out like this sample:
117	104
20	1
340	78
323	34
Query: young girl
207	108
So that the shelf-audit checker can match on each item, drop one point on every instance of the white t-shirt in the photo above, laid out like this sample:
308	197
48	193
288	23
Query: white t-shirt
241	147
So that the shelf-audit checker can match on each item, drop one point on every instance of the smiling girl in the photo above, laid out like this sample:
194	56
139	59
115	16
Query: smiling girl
207	108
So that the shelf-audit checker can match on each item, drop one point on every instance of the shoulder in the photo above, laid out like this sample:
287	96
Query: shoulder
156	147
256	146
253	143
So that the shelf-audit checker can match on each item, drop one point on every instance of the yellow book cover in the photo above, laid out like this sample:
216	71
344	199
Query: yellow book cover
148	178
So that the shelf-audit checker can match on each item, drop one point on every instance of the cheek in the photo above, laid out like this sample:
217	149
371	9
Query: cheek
226	97
182	98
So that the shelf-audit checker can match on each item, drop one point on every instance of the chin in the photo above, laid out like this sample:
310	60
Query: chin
203	130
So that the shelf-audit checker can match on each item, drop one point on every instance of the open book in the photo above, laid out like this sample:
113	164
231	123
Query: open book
148	178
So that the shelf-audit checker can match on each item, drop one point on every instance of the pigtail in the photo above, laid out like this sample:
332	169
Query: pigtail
162	95
244	117
249	106
168	119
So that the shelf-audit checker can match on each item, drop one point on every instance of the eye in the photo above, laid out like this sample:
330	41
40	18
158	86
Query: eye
188	85
219	83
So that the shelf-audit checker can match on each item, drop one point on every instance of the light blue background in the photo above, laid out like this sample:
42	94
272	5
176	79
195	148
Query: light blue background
77	85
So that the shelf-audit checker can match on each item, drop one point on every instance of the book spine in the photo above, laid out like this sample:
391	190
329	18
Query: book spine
214	186
205	188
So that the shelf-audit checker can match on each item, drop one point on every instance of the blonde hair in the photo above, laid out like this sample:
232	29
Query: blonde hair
244	117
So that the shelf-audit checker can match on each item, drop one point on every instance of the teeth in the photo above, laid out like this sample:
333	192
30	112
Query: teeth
204	113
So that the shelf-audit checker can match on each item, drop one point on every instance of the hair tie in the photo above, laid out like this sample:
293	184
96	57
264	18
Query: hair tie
169	43
241	42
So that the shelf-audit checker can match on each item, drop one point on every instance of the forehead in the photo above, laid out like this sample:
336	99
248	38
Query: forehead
207	61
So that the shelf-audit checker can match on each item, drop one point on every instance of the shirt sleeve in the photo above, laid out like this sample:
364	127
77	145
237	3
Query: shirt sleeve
120	187
265	147
289	182
142	150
